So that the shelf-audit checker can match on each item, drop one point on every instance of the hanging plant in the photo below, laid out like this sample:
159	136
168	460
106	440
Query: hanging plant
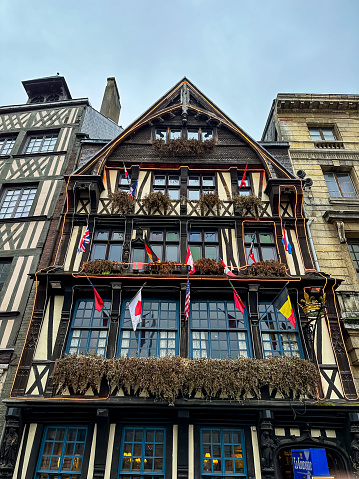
173	377
266	269
157	201
209	266
121	203
244	204
210	200
182	147
97	266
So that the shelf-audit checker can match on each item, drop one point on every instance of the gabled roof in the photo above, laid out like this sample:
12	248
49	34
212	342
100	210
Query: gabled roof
186	97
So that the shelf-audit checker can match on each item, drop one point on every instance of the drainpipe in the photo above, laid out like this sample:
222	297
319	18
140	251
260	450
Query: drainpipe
308	223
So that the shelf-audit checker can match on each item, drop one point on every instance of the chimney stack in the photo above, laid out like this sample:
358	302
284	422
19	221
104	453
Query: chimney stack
111	105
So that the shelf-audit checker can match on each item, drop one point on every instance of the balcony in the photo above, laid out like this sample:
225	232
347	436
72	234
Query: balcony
172	378
329	145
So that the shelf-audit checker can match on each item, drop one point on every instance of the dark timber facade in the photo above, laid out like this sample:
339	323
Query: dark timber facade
186	147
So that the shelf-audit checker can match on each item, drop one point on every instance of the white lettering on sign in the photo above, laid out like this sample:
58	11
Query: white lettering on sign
306	465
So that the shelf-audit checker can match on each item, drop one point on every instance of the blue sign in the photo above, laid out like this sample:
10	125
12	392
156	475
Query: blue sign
309	462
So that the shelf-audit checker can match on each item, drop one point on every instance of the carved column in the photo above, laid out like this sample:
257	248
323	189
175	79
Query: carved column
103	428
267	444
254	320
182	444
10	443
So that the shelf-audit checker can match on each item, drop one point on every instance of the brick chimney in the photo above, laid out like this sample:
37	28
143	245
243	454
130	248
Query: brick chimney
111	105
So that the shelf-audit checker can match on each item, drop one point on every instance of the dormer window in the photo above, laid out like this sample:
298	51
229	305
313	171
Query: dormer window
199	134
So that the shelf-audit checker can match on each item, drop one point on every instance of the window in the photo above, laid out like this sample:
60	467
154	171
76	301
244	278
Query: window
322	134
339	184
138	257
5	264
41	143
167	183
157	335
198	184
165	243
124	183
89	328
6	145
354	253
222	453
200	134
107	244
203	244
17	202
142	453
218	330
264	245
62	452
279	336
246	189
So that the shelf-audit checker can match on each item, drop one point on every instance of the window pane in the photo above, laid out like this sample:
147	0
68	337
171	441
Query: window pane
160	180
208	181
156	236
346	184
115	253
172	236
172	253
192	134
211	252
193	195
174	194
173	180
207	134
328	134
210	237
193	181
269	253
161	134
315	134
157	249
175	134
196	252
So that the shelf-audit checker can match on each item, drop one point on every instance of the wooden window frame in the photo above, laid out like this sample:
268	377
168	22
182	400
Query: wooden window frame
335	176
14	209
203	243
258	246
109	242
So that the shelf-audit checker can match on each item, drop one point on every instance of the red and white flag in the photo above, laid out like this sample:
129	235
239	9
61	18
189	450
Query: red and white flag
135	307
243	182
227	271
189	261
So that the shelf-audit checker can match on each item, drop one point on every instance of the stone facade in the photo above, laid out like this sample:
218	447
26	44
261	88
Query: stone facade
333	216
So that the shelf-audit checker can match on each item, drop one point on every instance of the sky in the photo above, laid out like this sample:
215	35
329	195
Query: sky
240	53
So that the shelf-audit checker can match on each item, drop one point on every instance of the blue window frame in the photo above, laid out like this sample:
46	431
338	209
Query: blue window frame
218	330
157	335
279	336
89	328
62	452
223	453
143	452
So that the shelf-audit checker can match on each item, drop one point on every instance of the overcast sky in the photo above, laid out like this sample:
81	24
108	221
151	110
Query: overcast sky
240	53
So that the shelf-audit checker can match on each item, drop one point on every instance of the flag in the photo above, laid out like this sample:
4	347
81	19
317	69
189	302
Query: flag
126	172
133	189
85	239
187	302
251	250
243	182
227	271
238	303
98	300
284	306
151	254
135	307
285	241
189	261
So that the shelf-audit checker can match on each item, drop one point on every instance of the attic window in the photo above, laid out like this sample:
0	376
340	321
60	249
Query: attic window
200	134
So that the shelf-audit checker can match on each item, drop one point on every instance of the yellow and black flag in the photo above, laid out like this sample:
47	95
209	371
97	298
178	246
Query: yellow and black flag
284	306
151	254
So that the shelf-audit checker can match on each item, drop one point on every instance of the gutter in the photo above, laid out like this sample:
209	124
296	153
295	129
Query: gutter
308	223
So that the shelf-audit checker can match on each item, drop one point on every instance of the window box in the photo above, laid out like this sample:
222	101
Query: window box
166	268
247	205
157	201
265	269
182	147
206	266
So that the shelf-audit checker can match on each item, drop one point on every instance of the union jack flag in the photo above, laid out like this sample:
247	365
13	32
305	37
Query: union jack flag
187	302
84	241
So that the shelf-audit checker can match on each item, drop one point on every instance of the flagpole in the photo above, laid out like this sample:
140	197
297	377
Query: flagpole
274	300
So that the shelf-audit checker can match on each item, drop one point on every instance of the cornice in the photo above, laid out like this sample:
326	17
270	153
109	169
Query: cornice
309	102
303	153
43	106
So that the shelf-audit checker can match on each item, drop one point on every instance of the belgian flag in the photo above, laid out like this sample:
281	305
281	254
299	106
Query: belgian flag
284	306
151	254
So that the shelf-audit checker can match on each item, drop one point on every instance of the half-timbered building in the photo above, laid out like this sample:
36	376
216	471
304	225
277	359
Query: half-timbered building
219	392
38	144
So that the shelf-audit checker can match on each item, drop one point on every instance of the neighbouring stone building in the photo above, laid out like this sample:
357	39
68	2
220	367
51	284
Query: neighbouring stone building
39	144
198	390
323	133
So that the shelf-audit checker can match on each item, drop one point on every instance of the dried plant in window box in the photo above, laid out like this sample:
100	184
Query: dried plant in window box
97	266
267	268
208	266
157	201
181	146
169	378
210	200
121	203
243	204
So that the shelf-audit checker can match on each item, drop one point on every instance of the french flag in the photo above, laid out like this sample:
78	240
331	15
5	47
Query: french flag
285	241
